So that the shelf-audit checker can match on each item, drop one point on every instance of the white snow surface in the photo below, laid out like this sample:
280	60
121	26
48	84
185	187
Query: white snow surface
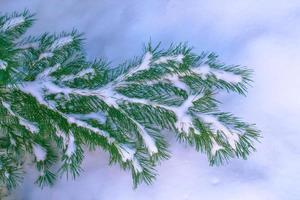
3	64
136	166
68	141
215	147
71	146
44	82
45	55
30	126
229	77
264	35
60	42
39	152
83	124
175	80
145	64
184	120
33	45
128	155
98	116
12	23
148	140
82	73
217	126
165	59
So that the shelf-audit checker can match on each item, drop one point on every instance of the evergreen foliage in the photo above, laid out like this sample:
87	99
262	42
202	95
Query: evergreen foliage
53	102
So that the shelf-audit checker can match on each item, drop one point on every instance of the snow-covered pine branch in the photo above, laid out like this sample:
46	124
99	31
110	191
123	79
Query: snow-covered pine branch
54	102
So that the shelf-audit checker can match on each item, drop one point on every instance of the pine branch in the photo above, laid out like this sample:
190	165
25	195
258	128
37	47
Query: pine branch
54	102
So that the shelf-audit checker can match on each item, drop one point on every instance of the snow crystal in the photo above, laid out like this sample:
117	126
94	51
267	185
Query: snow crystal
71	146
149	143
35	89
136	165
61	134
12	141
126	153
54	89
80	74
68	141
86	71
12	23
184	121
45	55
145	64
98	116
33	45
216	126
3	64
85	125
42	172
133	100
61	42
7	106
27	124
48	71
215	147
42	82
39	152
174	79
165	59
148	140
204	71
109	96
6	174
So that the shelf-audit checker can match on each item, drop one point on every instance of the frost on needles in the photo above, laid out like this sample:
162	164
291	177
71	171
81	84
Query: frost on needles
54	102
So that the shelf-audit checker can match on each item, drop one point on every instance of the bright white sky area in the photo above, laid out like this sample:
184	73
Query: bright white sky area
261	34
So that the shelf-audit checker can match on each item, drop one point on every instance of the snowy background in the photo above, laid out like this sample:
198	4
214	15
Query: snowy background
261	34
